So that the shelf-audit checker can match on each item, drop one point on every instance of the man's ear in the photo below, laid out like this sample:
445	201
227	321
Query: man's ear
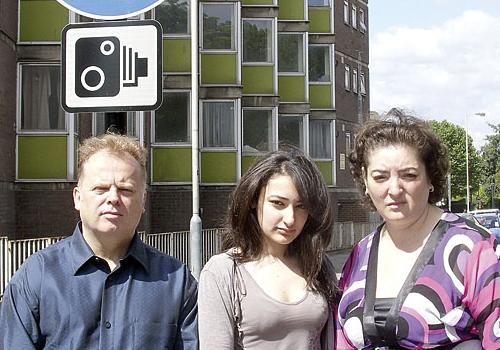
76	197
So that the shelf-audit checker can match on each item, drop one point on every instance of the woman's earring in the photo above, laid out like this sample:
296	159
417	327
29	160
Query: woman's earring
431	189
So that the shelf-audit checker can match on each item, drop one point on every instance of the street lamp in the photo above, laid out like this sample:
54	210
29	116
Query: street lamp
480	114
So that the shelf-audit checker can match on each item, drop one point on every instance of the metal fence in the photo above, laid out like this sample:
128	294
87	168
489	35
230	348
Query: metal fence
14	252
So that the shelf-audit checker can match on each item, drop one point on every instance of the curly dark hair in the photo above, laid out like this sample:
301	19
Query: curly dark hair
243	229
397	127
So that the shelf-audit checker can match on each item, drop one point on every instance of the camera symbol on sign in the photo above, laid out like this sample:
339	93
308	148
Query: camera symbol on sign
102	67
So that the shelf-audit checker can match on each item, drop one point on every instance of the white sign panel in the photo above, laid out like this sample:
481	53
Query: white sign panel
112	66
109	9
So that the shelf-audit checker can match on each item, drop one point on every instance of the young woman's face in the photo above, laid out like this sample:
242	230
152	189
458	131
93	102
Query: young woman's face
397	183
281	213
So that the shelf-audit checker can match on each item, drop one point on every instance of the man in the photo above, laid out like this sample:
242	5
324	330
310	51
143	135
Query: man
102	288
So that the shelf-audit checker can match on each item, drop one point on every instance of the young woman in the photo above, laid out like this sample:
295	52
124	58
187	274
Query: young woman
424	278
273	286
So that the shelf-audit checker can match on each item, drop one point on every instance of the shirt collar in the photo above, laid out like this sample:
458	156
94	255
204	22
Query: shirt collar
81	252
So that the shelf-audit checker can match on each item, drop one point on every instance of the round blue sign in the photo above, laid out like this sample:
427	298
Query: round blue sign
109	9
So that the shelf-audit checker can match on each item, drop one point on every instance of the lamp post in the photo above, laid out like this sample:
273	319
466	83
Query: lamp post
467	199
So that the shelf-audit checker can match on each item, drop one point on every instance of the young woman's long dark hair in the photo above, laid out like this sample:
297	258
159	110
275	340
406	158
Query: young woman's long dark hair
243	229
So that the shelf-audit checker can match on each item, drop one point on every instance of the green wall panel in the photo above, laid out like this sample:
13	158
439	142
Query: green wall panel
257	79
247	162
42	157
320	96
177	55
218	68
291	10
218	167
257	2
171	164
291	88
326	169
319	20
42	20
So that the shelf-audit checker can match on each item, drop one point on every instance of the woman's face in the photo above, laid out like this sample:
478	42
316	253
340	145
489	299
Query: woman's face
280	213
397	183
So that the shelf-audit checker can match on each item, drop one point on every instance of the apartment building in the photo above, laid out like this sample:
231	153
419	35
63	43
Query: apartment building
271	72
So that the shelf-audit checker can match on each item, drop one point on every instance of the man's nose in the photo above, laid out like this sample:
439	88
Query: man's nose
113	197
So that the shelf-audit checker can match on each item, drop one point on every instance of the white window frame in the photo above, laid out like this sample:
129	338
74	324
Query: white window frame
236	116
274	128
362	19
330	64
348	143
189	117
236	31
273	43
188	29
304	71
304	132
332	154
346	12
362	83
138	121
324	5
354	80
347	77
354	16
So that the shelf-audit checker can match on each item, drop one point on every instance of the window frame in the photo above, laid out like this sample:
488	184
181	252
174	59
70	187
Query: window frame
320	6
331	129
304	132
235	32
189	120
188	24
235	125
347	14
19	110
137	115
274	130
362	19
362	83
354	16
354	84
303	71
274	49
347	77
330	65
348	143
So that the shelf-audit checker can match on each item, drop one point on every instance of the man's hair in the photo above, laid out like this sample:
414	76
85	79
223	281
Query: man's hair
398	128
243	229
112	143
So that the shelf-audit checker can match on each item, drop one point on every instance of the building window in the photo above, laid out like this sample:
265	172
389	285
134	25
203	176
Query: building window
123	123
320	138
348	143
218	124
319	3
257	131
319	63
362	83
291	131
257	41
354	19
218	26
347	77
354	80
346	12
290	53
362	23
40	108
172	121
173	16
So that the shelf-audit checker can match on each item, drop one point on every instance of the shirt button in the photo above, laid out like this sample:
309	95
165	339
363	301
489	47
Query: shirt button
107	325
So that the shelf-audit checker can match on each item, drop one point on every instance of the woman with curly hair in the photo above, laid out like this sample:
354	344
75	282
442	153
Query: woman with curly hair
424	278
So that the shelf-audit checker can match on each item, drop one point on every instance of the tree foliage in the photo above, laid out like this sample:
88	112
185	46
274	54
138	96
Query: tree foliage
453	136
490	154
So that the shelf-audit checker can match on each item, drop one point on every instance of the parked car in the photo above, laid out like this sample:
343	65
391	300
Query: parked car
491	221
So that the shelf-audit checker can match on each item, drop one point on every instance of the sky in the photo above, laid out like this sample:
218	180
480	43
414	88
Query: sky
437	59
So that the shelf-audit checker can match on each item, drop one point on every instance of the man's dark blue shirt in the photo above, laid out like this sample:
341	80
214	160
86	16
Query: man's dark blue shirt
65	297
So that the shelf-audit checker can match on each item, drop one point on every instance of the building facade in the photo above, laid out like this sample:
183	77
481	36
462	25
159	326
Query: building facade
271	72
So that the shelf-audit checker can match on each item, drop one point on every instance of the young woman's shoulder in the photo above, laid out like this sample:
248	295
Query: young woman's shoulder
219	264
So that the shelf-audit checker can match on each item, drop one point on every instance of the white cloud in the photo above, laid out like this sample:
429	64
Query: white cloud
440	72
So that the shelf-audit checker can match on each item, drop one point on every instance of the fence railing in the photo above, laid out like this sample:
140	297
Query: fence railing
14	252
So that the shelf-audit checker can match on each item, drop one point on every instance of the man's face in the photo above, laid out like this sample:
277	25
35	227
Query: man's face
110	195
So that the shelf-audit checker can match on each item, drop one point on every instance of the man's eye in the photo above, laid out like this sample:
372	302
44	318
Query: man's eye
379	178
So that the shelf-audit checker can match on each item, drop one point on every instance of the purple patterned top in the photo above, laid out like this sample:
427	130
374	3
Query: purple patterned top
451	296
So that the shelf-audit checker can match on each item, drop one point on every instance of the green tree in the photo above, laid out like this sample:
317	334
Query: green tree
490	154
453	136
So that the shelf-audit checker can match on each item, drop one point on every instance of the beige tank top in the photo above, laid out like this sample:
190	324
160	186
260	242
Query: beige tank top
267	323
